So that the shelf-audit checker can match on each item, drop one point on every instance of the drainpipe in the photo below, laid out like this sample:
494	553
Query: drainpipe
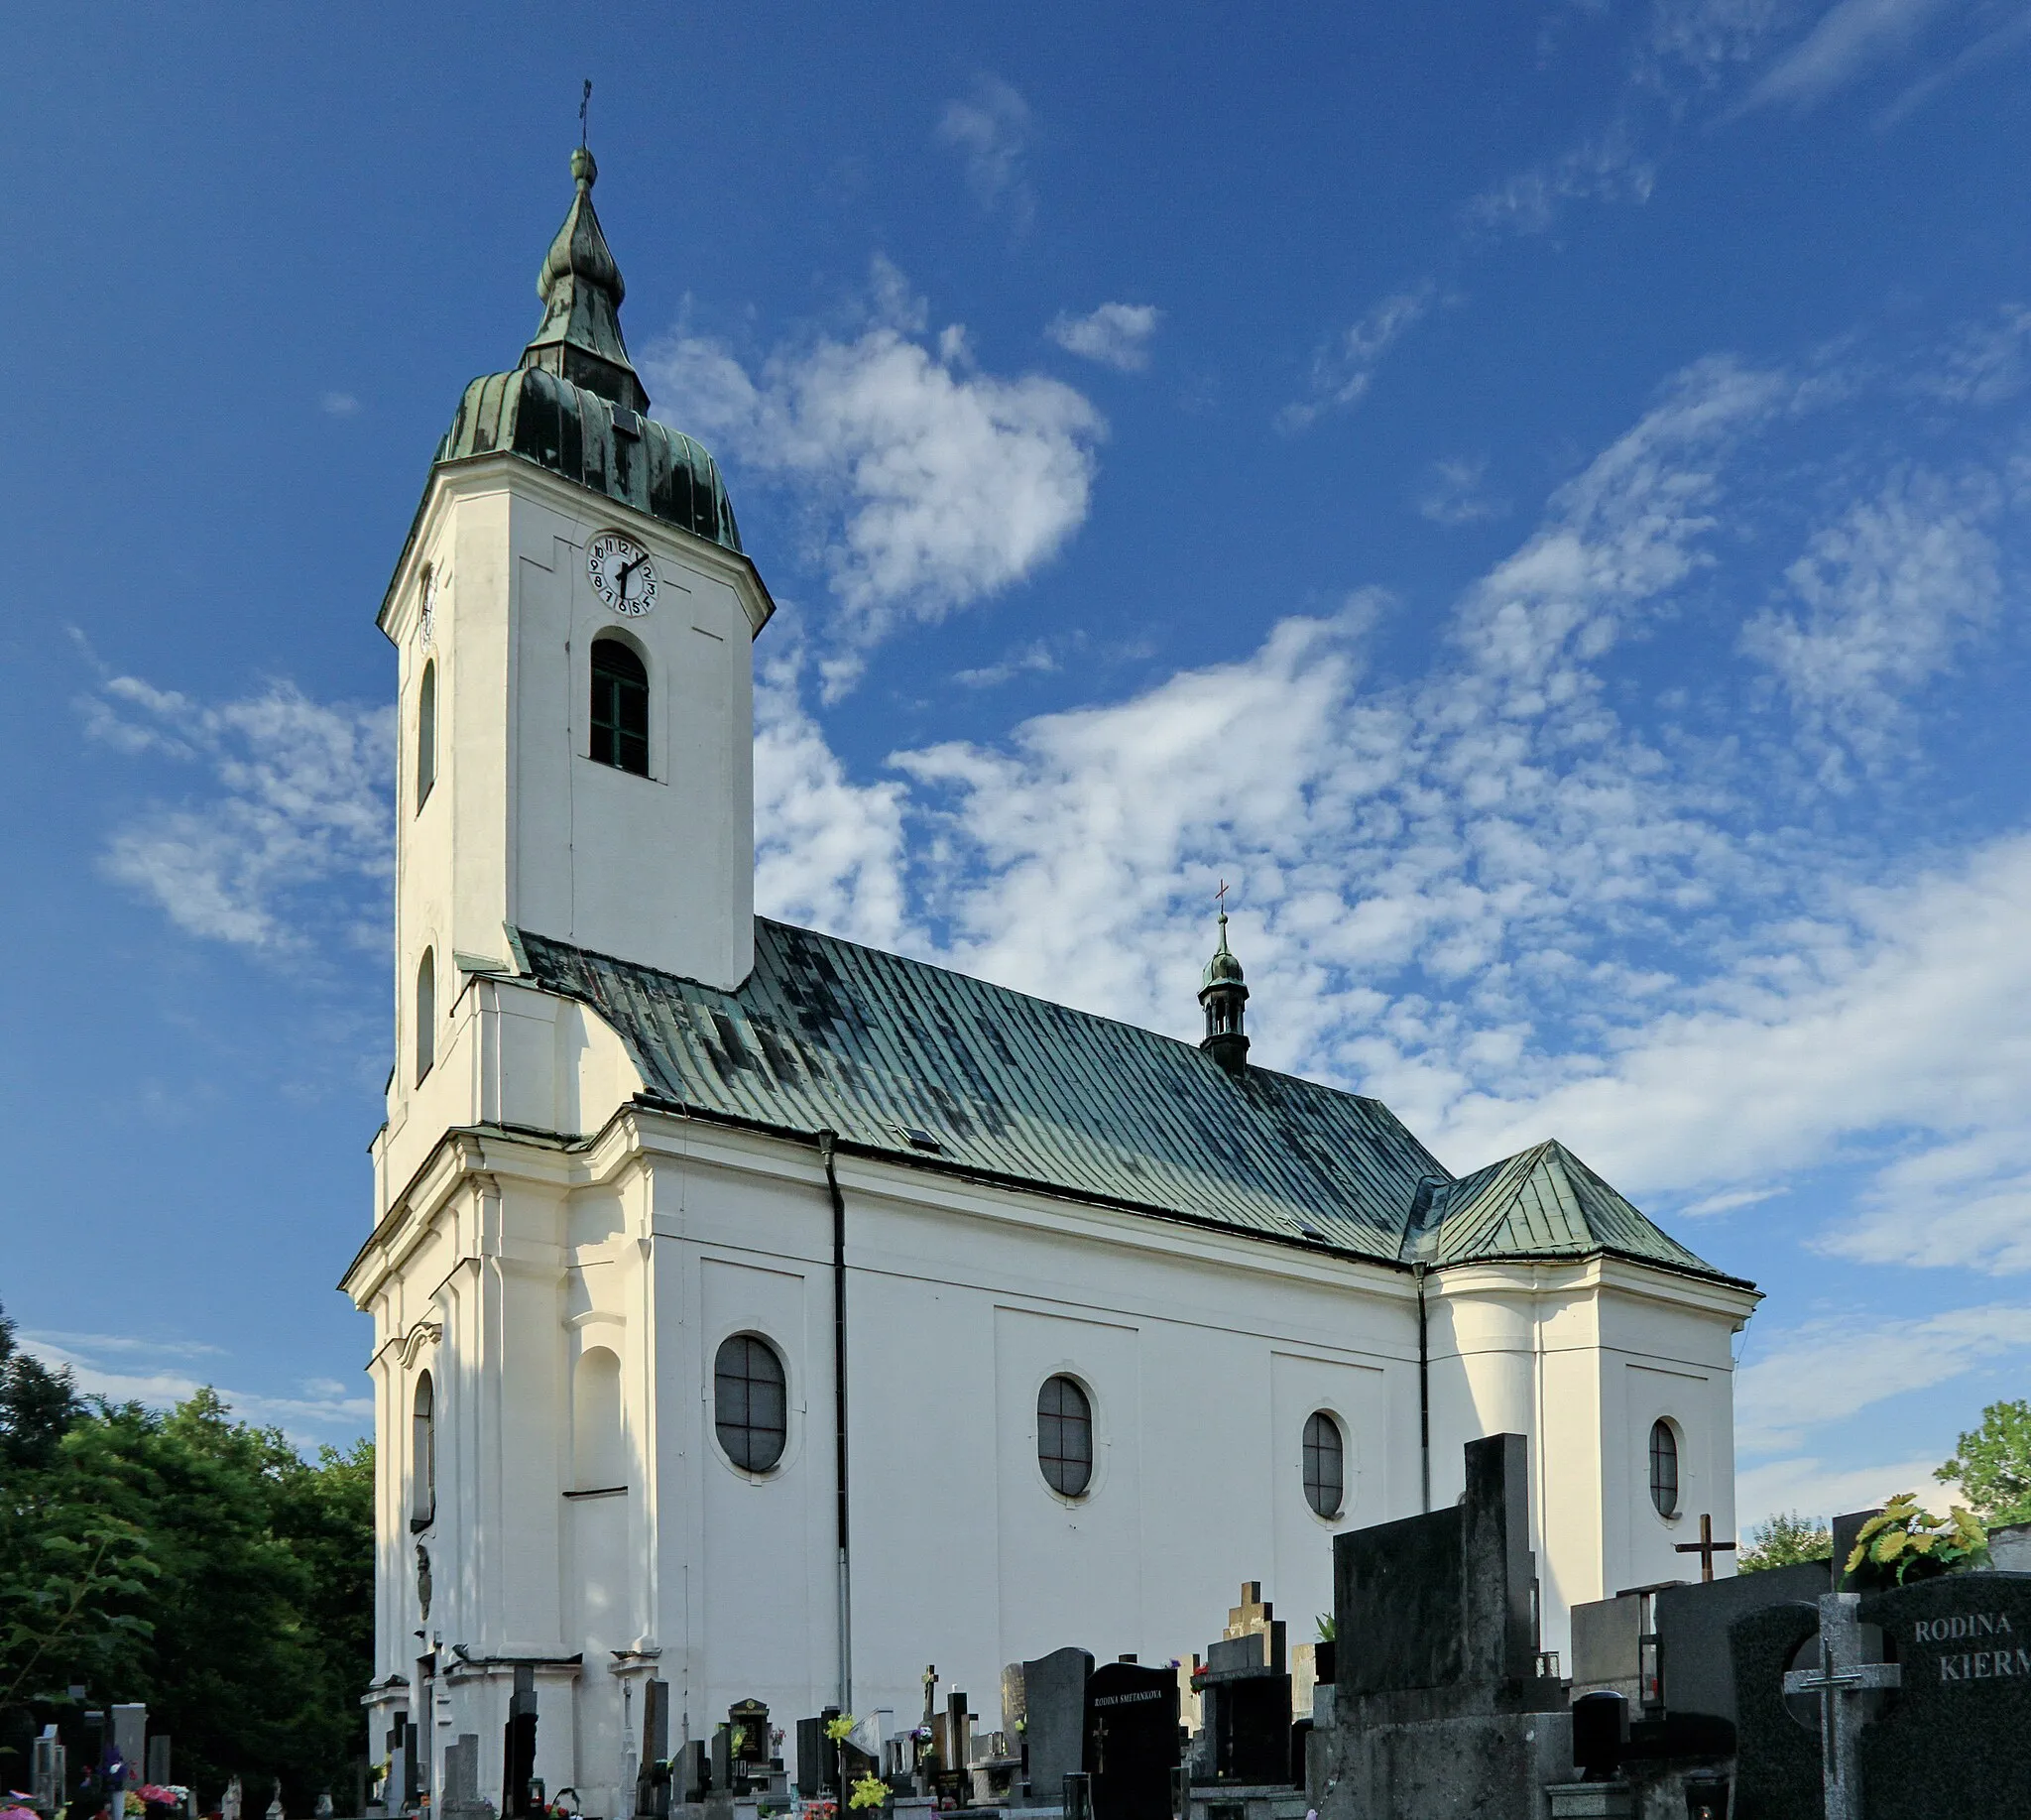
827	1140
1424	1390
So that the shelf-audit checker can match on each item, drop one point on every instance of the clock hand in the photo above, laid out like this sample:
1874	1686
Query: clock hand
626	573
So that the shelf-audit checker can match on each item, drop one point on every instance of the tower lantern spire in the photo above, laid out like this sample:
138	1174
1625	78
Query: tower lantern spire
581	283
1224	996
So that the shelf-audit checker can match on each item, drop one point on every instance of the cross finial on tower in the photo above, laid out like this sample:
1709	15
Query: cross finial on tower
585	103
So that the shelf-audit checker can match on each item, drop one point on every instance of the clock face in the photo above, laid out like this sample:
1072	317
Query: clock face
621	574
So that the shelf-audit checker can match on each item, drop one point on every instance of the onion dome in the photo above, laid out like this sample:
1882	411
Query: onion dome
575	405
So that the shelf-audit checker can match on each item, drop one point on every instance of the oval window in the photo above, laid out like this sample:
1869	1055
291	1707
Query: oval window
1064	1437
1664	1469
1325	1465
750	1402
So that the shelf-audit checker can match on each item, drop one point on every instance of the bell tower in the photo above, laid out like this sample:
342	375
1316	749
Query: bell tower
575	615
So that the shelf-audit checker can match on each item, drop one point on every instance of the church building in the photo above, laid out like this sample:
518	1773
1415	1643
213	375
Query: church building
770	1316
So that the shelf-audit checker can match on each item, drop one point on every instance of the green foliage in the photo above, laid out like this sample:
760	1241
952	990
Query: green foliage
1903	1540
1329	1627
37	1406
1993	1465
868	1792
199	1564
1784	1541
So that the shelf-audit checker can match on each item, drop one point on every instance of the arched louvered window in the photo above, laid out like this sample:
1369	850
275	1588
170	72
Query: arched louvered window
750	1402
423	1455
1664	1468
426	733
1325	1459
1064	1437
620	707
427	1014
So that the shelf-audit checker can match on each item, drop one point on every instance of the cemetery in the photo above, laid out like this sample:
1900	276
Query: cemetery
1857	1688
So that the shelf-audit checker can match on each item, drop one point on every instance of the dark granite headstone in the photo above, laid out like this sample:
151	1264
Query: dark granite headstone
517	1792
652	1780
1131	1739
1601	1732
1054	1709
1250	1719
1954	1743
722	1759
1444	1597
747	1744
1693	1623
1778	1753
1439	1710
817	1755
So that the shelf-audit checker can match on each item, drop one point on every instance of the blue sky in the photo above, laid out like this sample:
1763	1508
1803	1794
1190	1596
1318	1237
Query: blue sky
1535	496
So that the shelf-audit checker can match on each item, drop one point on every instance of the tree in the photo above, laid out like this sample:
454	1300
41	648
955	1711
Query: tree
202	1565
37	1406
1784	1541
1993	1465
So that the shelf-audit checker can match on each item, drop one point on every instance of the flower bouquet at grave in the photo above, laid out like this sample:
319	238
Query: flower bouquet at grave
868	1791
1904	1541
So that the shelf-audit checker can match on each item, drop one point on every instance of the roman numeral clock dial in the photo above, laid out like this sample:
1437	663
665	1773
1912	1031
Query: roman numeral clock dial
621	573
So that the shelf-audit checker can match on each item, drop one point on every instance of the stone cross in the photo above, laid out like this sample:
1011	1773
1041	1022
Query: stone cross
1252	1615
1839	1680
930	1692
1706	1548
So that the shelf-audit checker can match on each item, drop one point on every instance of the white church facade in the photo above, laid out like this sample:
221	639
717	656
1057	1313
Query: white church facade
773	1316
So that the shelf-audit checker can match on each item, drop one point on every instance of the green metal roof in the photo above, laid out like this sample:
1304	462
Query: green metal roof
936	1068
576	403
1544	1202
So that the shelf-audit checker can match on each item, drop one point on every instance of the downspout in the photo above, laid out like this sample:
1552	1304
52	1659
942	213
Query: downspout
1424	1391
827	1140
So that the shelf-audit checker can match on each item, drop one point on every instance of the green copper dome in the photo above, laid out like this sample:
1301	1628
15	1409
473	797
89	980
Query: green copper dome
1223	969
576	403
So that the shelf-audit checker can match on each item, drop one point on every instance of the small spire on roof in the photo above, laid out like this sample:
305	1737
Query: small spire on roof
1223	994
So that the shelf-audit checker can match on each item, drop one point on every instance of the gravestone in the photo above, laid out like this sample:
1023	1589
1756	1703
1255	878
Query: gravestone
1131	1739
1054	1704
130	1739
1439	1710
1955	1743
50	1770
462	1800
518	1749
689	1778
653	1778
747	1744
817	1755
1244	1697
159	1760
1777	1748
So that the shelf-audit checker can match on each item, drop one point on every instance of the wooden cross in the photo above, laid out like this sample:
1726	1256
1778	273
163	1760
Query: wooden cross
1706	1548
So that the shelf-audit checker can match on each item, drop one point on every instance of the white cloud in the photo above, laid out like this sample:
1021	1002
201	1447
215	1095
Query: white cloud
933	484
1850	38
1809	1486
1342	371
827	853
990	131
1983	364
1032	660
338	405
2005	38
1831	1370
324	1413
1115	335
1454	494
299	798
1889	596
1601	169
